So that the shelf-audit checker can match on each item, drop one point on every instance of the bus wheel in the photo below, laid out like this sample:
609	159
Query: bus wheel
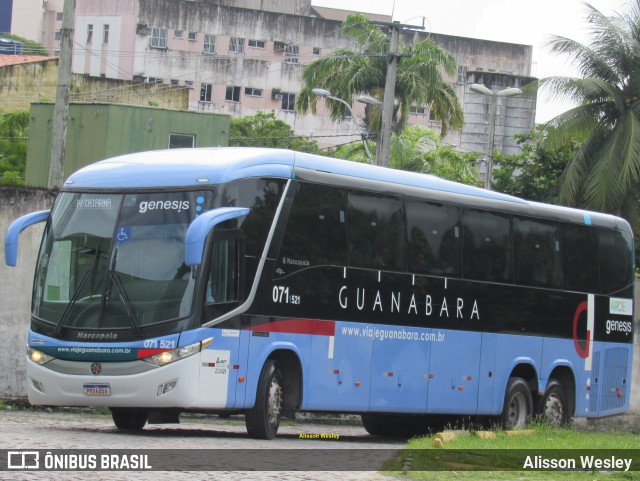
263	419
518	404
129	419
553	405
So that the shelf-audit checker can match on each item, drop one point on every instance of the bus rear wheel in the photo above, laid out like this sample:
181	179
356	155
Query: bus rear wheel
129	419
553	408
518	404
263	419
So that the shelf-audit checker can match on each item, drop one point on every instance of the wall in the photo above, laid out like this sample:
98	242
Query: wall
24	83
16	286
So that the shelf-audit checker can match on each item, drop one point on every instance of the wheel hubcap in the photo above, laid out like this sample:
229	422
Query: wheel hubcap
517	411
553	410
275	402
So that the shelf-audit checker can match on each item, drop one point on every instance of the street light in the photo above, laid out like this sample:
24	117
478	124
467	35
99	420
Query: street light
363	133
509	92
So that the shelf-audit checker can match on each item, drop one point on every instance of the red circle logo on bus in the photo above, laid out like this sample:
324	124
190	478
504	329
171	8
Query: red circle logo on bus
583	351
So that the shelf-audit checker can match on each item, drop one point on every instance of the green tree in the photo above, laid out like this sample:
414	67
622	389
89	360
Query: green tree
532	174
604	172
14	130
419	149
264	130
30	47
351	72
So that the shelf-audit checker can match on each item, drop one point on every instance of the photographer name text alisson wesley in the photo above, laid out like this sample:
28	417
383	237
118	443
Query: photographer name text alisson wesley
581	462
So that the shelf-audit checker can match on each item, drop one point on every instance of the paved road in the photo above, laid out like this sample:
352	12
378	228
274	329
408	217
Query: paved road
64	430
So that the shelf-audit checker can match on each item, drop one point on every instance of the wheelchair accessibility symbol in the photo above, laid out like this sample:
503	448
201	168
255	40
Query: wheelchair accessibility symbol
124	234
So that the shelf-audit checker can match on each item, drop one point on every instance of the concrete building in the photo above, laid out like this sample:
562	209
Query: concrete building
241	60
242	56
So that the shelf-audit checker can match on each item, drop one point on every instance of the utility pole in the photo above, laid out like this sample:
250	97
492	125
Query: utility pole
61	109
383	144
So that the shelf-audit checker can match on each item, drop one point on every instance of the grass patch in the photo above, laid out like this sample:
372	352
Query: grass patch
503	457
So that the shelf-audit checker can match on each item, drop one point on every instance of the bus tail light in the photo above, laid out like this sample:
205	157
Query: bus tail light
167	357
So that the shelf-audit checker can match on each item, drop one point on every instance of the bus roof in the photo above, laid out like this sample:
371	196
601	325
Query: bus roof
194	167
207	166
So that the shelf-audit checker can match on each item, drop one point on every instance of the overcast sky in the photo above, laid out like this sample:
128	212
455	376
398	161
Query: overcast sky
515	21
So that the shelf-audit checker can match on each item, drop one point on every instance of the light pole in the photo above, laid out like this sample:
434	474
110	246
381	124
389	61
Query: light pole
509	92
363	133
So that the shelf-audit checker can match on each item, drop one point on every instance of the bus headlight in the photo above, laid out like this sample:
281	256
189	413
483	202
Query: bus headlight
38	357
167	357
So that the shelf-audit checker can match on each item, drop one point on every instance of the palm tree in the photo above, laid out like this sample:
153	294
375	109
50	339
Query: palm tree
350	72
604	172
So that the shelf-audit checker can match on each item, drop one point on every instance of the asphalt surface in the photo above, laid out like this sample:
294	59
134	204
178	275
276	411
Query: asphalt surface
185	444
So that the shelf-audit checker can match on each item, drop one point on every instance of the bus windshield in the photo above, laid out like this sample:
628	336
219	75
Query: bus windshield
114	261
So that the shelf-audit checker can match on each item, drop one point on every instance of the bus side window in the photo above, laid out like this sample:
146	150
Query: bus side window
376	231
316	232
486	246
536	254
616	266
579	258
225	268
433	232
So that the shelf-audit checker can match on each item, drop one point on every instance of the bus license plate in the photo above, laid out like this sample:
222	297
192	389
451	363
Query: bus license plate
97	389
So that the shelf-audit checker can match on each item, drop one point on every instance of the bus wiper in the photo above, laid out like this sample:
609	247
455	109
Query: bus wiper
76	294
122	296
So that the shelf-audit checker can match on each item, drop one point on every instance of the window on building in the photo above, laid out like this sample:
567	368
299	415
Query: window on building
432	116
417	109
316	51
188	84
58	16
209	44
177	34
288	101
57	36
174	82
291	55
192	36
105	34
233	94
236	45
251	92
205	92
182	141
462	74
278	46
89	33
158	37
256	43
155	80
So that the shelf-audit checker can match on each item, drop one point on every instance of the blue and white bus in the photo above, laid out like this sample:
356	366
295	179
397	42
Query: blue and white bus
265	282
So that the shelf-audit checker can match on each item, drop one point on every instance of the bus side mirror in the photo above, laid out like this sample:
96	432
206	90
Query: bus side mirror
13	233
200	228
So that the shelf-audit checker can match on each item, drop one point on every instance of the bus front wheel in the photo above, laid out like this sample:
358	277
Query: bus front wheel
518	404
129	419
263	419
554	408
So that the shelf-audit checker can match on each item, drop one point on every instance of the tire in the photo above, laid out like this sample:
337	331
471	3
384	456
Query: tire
553	407
263	419
129	419
518	404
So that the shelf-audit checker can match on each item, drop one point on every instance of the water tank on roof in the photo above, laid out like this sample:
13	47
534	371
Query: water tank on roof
10	47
